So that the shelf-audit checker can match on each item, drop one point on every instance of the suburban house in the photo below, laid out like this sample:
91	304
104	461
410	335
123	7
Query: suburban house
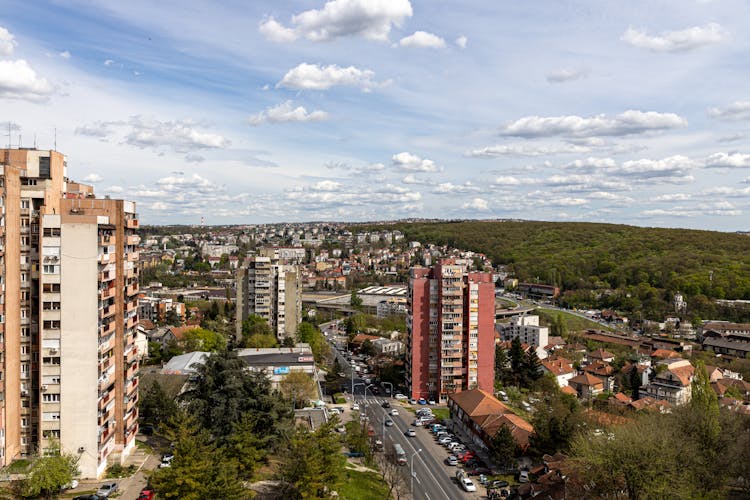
600	355
586	385
672	382
604	372
479	415
560	368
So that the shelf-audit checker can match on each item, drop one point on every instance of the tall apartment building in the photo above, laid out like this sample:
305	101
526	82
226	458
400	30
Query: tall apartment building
450	329
272	291
69	313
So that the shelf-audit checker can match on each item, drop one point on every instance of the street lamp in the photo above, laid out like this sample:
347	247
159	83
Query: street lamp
412	470
388	383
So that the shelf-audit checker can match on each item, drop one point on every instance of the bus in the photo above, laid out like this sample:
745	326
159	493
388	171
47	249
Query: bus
400	454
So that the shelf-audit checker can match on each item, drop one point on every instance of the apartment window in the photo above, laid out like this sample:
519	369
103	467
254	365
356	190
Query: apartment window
51	306
50	269
25	203
25	331
24	278
51	434
51	231
25	349
51	416
24	421
51	325
51	287
24	295
24	440
51	398
44	167
24	241
51	379
51	360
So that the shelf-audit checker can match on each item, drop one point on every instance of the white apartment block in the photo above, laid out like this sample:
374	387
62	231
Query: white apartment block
528	330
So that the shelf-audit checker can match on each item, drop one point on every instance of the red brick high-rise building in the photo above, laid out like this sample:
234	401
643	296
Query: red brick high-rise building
451	331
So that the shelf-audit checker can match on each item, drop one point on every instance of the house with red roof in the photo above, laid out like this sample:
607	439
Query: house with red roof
561	368
586	385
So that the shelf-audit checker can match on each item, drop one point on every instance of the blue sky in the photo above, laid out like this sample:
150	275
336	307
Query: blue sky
245	112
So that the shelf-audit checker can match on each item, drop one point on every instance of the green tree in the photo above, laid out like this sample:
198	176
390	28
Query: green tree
503	447
635	382
199	468
356	301
155	405
298	387
313	465
555	424
200	339
502	365
49	473
250	444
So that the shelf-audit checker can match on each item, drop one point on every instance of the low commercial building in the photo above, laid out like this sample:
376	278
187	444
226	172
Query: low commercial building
277	363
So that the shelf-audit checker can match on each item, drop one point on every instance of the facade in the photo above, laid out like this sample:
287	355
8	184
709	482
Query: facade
277	363
527	329
69	270
673	384
272	291
450	339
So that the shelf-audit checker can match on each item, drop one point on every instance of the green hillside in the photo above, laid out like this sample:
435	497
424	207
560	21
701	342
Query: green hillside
587	260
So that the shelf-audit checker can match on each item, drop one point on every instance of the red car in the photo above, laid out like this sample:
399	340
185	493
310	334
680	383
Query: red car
466	457
147	494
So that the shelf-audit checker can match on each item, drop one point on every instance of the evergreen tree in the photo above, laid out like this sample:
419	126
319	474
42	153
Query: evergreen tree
635	382
155	405
516	359
503	447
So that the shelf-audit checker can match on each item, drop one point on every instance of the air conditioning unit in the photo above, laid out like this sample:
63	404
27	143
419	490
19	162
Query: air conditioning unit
24	392
53	350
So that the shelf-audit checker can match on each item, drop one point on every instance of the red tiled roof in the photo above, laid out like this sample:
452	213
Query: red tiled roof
586	379
477	402
557	366
601	354
664	354
569	390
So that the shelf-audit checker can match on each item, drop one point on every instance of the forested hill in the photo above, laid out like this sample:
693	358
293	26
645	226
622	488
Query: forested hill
588	256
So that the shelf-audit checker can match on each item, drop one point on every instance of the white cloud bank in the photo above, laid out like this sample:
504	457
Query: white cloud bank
676	41
413	163
287	113
316	77
7	42
341	18
422	40
19	81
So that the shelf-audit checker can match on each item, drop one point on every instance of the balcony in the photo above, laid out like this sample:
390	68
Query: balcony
131	223
133	239
103	258
132	289
133	256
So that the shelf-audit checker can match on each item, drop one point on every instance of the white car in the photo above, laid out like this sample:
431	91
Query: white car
355	407
410	433
468	485
394	411
400	396
73	484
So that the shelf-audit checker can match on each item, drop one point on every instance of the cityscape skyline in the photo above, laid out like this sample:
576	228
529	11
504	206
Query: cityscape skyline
361	110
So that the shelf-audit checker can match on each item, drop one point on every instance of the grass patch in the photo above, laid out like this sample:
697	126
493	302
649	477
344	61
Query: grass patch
572	322
441	413
339	398
20	466
117	471
362	486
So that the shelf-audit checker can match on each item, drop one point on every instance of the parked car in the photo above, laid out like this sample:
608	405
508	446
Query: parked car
451	460
87	497
413	401
147	494
394	411
478	471
432	402
71	485
410	433
523	476
355	407
417	423
106	490
445	440
468	485
422	401
386	404
400	396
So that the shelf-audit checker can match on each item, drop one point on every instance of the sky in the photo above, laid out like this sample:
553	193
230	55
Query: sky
236	112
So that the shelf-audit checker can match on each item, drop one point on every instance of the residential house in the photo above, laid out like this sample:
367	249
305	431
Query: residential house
604	372
586	385
672	381
560	368
600	355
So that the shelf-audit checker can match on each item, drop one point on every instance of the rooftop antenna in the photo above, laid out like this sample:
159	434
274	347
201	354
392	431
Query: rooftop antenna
35	140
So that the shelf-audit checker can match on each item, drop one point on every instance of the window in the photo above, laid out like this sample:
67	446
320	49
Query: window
51	306
51	360
25	349
51	434
24	421
51	379
24	277
51	231
51	398
50	269
44	167
51	287
25	203
51	325
50	416
25	331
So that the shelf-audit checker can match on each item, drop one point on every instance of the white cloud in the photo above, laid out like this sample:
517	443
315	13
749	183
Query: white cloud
592	164
567	75
311	197
478	204
276	32
114	189
674	169
627	123
194	158
738	110
450	188
65	54
315	77
108	62
674	197
159	206
412	163
422	40
509	180
462	42
285	113
340	18
327	185
7	42
413	179
728	160
181	136
19	81
96	129
526	150
676	41
93	178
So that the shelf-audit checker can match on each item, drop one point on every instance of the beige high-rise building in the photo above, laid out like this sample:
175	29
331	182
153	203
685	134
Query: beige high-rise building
69	313
272	291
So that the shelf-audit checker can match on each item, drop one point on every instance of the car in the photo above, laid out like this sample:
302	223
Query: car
87	497
413	401
410	433
451	460
452	444
445	440
106	490
147	494
422	401
394	411
424	412
400	396
523	476
71	485
498	484
386	404
389	423
417	423
363	418
355	407
467	484
466	456
431	402
341	429
477	471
